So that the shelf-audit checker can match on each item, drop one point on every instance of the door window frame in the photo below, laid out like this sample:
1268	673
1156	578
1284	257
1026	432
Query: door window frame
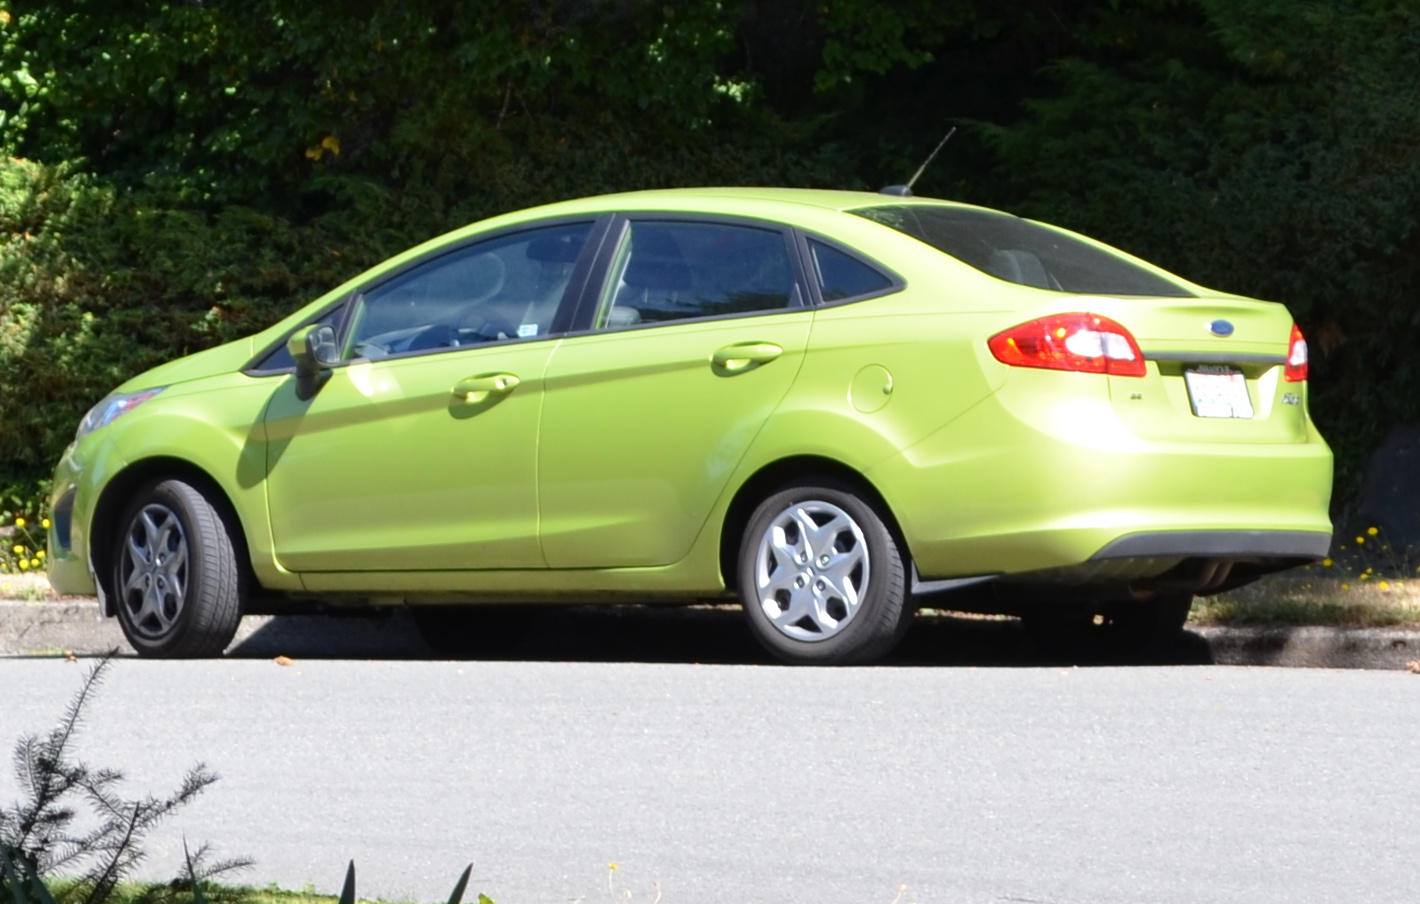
598	278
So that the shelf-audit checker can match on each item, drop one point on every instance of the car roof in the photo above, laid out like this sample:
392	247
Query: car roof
710	199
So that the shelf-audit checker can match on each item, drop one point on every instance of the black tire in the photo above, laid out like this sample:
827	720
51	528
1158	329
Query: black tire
487	631
177	584
865	562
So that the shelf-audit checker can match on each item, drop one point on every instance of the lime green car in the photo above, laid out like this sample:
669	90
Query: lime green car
831	405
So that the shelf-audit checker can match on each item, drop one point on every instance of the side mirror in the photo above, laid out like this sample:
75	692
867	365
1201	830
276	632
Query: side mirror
314	351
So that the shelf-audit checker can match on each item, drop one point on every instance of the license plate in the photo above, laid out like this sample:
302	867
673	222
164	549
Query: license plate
1218	392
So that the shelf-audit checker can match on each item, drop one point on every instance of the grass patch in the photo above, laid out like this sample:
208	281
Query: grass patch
1321	603
139	893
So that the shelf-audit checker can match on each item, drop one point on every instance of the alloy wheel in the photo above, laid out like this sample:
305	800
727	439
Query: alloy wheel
154	570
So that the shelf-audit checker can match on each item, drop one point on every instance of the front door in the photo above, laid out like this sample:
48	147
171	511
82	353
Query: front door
420	452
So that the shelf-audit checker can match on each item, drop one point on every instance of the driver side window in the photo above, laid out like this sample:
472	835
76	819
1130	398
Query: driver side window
504	288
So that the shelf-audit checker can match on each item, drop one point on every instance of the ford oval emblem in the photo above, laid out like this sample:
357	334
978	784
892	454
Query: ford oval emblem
1220	328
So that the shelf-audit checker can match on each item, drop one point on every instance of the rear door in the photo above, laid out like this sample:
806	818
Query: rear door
694	338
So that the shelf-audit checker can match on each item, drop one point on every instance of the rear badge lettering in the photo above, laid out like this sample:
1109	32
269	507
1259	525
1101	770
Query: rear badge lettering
1291	398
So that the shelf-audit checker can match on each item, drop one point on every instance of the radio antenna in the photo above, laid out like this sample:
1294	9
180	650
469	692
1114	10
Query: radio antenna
905	191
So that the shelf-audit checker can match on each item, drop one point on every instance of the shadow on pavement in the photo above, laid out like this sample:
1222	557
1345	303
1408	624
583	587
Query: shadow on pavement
691	635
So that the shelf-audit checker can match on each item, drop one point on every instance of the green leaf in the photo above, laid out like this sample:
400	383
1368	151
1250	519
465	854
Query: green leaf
457	896
16	889
197	896
40	891
347	894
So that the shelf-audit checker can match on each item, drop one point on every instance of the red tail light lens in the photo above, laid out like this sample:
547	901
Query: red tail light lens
1087	343
1296	370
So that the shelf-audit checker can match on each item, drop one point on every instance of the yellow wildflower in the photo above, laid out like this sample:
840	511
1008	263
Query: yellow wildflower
19	522
1384	585
1372	531
1360	541
40	554
44	523
24	564
1326	563
19	550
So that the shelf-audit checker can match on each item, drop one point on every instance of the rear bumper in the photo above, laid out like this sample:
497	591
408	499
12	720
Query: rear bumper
1219	544
1061	484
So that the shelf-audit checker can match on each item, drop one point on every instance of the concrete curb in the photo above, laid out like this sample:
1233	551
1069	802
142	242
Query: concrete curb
74	626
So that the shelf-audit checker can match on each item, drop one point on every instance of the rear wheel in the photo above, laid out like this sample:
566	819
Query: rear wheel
821	577
176	579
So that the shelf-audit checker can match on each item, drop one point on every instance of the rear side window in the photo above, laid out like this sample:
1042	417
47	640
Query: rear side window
675	271
1023	252
840	275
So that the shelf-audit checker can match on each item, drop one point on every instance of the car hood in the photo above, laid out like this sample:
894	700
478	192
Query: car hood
223	359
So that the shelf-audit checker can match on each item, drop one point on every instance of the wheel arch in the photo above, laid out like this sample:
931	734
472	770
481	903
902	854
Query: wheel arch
120	489
778	473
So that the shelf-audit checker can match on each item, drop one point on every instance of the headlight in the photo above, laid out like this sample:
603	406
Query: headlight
111	409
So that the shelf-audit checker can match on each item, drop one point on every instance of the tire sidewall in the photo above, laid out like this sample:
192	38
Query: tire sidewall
883	613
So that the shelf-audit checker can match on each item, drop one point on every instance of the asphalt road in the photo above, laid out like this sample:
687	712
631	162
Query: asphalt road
759	783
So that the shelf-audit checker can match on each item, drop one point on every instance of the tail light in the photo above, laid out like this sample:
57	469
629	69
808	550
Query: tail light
1087	343
1296	370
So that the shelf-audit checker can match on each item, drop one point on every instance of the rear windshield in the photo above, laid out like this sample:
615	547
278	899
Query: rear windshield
1020	251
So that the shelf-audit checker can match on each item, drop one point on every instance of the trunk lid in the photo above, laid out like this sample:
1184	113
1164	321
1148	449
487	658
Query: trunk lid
1216	371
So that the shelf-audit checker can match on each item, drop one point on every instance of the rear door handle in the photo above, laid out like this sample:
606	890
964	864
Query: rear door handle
736	358
476	389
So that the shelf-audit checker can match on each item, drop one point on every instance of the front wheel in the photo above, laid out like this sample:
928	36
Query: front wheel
821	577
176	579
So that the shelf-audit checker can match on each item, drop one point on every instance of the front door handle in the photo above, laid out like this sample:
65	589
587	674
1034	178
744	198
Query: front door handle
736	358
476	389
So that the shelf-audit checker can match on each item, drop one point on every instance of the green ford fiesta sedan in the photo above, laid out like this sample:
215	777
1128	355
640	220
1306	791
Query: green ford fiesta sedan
830	405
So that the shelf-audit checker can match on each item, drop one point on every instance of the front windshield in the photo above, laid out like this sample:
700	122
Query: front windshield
1023	252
